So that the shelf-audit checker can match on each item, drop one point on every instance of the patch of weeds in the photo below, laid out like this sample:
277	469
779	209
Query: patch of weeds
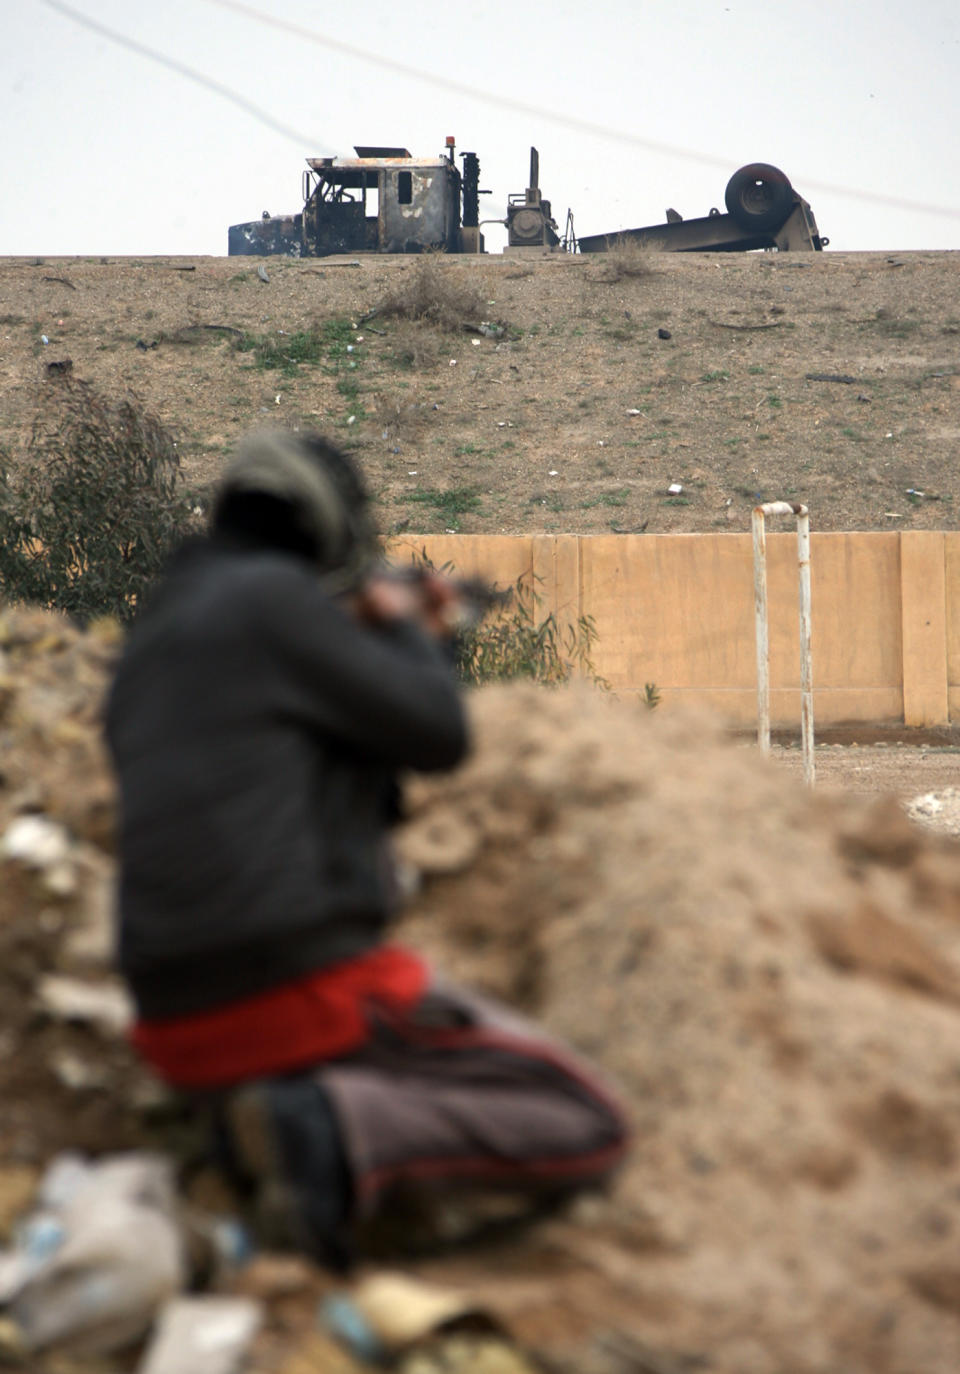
891	326
462	450
719	375
732	443
764	438
850	433
607	498
283	352
551	501
774	401
675	501
328	342
577	333
450	504
756	370
13	319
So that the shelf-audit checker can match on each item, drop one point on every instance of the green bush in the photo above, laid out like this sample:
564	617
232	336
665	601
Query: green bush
514	643
92	512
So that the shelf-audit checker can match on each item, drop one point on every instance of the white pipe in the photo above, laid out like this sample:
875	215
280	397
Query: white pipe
762	637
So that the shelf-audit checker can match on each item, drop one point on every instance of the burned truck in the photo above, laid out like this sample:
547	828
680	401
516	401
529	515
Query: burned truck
382	201
763	211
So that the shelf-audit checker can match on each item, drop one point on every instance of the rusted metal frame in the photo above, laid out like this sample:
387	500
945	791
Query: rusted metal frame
704	234
762	635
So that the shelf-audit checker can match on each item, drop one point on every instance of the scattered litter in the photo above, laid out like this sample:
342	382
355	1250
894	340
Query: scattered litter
553	473
453	362
60	367
202	1335
35	841
664	333
475	342
78	1074
103	1004
97	1259
351	419
633	411
600	443
388	1313
888	435
277	399
262	273
912	491
675	488
44	339
412	473
893	515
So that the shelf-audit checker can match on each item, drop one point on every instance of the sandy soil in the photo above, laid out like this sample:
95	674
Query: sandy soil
828	378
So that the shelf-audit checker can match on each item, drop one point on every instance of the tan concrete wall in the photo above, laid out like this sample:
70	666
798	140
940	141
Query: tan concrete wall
677	610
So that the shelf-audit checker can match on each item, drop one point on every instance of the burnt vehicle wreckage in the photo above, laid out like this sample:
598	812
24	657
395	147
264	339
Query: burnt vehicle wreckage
384	200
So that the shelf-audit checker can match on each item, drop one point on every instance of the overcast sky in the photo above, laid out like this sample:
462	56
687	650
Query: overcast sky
634	105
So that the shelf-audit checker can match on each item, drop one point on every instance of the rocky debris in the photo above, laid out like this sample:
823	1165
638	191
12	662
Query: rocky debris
939	811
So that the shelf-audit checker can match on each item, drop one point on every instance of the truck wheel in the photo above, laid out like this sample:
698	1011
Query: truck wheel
759	197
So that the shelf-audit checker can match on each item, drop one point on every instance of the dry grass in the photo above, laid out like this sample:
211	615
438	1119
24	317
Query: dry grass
627	259
436	294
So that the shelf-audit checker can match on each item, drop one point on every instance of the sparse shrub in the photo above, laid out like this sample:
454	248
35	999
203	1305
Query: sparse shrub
510	641
437	294
627	258
450	503
92	514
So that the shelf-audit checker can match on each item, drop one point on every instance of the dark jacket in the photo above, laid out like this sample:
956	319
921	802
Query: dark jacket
256	728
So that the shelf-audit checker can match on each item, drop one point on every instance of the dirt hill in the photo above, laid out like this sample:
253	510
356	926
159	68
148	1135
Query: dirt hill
828	378
772	976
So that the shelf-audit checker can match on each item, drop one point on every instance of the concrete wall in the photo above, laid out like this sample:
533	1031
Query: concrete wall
677	610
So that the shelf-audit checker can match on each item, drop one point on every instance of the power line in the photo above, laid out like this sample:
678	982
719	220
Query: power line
566	121
217	87
408	71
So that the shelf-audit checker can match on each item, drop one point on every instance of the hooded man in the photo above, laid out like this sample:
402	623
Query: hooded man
269	695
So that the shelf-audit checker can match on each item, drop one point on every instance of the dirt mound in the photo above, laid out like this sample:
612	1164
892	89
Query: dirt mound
771	976
773	979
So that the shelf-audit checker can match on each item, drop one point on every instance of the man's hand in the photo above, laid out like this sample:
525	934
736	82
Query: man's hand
430	600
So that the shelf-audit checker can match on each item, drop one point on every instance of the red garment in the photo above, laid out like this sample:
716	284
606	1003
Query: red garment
314	1019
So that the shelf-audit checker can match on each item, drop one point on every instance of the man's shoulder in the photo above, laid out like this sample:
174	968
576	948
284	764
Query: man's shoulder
255	580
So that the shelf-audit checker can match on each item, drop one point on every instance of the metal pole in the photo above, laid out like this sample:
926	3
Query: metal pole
760	616
763	647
